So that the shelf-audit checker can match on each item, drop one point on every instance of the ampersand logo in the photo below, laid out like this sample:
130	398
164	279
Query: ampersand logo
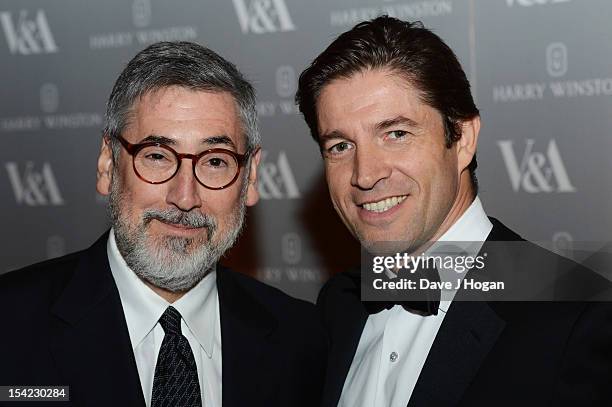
263	16
537	171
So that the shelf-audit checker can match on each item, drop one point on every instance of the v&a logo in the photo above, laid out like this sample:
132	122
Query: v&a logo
34	188
276	180
28	36
537	171
263	16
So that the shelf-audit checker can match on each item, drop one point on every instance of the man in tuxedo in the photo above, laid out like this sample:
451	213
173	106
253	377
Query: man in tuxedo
391	109
147	316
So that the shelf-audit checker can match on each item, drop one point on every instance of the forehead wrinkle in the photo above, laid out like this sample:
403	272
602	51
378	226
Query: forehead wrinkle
170	100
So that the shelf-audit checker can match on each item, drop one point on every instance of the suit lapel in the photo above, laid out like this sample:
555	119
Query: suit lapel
500	233
246	336
89	336
469	331
467	334
345	331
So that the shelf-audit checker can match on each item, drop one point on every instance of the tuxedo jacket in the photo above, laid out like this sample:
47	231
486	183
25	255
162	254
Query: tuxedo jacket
63	324
492	353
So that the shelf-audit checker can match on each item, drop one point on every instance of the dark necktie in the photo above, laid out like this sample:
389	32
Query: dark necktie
426	302
176	382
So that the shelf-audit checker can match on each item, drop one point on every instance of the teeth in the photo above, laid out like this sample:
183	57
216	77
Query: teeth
385	204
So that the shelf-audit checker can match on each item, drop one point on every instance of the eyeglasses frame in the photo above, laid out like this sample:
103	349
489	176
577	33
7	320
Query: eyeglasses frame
133	149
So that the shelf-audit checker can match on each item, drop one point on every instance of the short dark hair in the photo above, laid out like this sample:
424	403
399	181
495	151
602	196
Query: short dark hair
409	49
185	64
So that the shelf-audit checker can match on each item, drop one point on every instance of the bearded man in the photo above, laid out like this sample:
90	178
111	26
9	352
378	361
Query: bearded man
146	316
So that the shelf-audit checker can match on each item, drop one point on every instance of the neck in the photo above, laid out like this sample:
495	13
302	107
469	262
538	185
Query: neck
465	197
463	200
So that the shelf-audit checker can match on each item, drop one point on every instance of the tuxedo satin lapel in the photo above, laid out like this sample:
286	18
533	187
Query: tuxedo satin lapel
501	233
346	321
246	337
90	340
466	336
468	333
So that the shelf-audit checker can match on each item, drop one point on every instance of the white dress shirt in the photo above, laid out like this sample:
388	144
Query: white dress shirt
395	343
200	324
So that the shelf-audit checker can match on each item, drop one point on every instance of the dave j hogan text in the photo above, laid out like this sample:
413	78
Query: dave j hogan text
425	284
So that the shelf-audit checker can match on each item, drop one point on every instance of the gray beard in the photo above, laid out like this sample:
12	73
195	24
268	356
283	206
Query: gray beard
173	263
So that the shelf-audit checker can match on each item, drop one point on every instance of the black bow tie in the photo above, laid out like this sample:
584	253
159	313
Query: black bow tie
424	307
426	301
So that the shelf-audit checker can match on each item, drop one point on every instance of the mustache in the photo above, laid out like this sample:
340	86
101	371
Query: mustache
190	219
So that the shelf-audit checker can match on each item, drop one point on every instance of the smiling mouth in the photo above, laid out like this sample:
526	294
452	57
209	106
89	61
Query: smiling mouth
384	204
179	225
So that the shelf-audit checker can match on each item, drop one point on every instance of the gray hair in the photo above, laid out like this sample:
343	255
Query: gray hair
185	64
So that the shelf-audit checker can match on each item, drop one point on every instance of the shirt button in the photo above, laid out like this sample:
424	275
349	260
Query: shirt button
393	356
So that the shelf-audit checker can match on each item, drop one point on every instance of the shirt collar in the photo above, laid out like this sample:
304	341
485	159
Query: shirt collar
143	307
472	227
200	310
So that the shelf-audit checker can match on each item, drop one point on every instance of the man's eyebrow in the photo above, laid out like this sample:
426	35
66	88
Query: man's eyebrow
222	139
398	120
385	124
154	138
331	135
212	140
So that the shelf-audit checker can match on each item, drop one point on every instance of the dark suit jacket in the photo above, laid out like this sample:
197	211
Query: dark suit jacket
63	324
491	353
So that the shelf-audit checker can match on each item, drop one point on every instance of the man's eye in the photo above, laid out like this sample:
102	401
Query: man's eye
156	157
216	162
339	148
397	134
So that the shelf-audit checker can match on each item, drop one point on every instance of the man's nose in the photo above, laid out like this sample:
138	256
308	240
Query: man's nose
369	167
184	188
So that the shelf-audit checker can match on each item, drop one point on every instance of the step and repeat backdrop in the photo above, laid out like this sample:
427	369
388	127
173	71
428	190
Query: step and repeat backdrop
541	72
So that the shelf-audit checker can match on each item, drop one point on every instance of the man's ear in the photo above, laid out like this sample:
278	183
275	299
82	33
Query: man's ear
104	172
252	191
466	145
